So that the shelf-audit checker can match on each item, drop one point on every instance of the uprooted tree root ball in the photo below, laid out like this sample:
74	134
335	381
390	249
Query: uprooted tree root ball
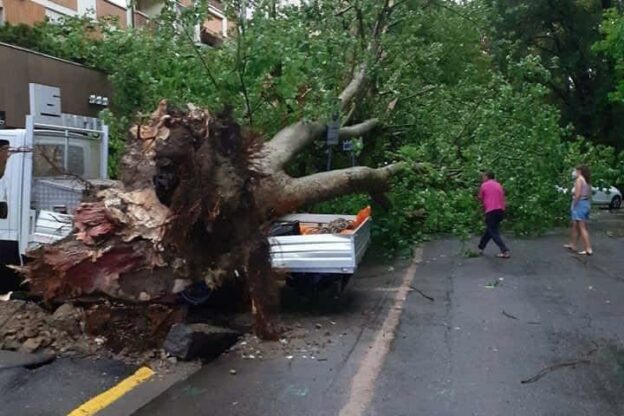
185	212
196	196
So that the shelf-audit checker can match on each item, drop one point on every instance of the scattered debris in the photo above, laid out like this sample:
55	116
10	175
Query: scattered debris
69	318
421	293
471	254
296	342
33	344
492	285
131	330
552	368
28	328
508	315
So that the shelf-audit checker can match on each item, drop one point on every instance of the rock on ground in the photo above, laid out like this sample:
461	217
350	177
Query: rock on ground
189	341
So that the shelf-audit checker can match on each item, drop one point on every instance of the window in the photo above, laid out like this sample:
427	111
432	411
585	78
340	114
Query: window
75	160
49	160
4	156
150	8
77	155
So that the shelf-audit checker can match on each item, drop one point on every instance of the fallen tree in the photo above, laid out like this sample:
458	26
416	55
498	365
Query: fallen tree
196	196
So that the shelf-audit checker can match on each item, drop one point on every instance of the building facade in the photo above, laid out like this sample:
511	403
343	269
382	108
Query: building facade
84	91
128	13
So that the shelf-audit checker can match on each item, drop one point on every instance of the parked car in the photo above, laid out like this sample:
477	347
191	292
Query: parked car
603	196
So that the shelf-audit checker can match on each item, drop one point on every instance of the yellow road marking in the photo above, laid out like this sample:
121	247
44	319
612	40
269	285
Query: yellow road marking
102	400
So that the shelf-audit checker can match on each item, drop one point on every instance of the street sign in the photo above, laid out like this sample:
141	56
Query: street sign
333	127
333	133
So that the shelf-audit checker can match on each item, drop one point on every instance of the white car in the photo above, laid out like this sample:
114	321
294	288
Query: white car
605	196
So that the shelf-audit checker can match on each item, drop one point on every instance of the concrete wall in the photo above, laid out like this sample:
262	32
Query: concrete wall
19	67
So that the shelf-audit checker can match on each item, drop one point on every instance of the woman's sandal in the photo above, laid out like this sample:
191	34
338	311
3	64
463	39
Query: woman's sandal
585	253
569	247
504	255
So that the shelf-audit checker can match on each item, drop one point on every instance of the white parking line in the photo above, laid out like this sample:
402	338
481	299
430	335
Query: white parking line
363	384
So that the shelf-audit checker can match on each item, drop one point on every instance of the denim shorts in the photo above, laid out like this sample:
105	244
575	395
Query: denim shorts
580	212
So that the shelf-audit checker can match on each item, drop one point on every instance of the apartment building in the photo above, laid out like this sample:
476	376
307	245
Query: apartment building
129	13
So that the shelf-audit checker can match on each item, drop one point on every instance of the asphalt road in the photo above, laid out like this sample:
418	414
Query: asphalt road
57	388
470	331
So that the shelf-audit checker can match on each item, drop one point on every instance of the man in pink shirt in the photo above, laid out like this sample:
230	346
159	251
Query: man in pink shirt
492	197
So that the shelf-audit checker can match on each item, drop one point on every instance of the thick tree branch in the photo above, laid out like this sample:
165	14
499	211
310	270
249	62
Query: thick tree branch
343	11
292	139
347	118
359	129
354	86
327	185
359	77
288	142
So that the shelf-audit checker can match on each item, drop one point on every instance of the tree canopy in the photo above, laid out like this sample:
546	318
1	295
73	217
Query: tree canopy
452	87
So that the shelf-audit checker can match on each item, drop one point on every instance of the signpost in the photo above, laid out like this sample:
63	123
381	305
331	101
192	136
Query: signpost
347	146
333	133
333	136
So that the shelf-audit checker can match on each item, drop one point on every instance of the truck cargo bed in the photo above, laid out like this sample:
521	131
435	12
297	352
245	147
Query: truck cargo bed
320	253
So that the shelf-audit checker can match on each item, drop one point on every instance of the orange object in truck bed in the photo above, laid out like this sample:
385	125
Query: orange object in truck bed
361	217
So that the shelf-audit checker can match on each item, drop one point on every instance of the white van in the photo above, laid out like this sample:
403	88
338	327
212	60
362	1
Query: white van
44	170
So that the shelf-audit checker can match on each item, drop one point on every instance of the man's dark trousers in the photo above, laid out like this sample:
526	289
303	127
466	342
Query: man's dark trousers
492	230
